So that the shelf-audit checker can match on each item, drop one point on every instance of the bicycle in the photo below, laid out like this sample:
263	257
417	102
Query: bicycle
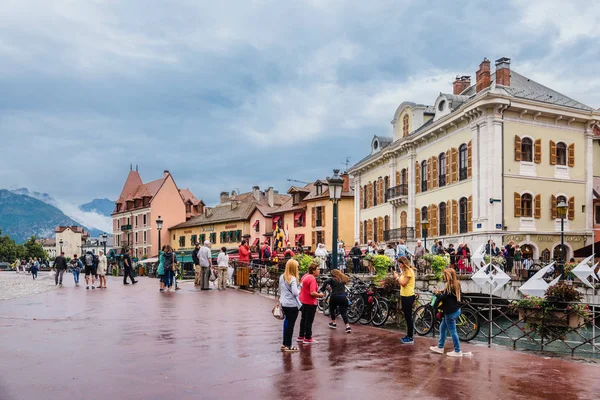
467	324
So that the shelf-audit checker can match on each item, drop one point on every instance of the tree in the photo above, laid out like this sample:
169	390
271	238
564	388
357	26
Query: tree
8	249
34	249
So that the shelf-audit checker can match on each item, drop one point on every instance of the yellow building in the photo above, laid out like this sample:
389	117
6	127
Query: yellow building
488	161
307	217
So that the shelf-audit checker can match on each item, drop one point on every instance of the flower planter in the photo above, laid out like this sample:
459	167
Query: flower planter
534	316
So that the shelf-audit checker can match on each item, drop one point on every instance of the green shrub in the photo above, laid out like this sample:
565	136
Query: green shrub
382	265
304	261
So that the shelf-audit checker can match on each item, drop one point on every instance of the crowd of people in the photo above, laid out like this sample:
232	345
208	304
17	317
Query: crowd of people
94	268
301	296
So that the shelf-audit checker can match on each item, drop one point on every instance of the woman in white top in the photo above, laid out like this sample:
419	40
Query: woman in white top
321	252
102	270
290	302
222	264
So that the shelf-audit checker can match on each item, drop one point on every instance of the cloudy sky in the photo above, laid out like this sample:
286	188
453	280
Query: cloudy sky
232	94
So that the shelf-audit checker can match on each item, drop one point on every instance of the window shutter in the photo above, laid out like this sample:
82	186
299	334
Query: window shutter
314	240
403	219
537	151
571	214
454	217
552	153
537	206
380	230
418	232
381	196
323	217
572	155
370	194
448	217
314	216
361	232
434	164
517	205
470	214
429	219
553	213
517	148
469	160
418	177
429	181
397	178
434	216
369	230
448	168
362	197
454	165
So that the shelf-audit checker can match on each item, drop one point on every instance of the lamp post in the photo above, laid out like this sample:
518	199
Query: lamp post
182	255
61	243
159	223
104	236
561	210
336	184
425	226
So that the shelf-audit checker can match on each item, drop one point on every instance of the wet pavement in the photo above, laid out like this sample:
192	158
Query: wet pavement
132	342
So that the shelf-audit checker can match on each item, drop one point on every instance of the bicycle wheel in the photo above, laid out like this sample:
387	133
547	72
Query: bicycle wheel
467	325
323	302
382	313
423	320
369	313
355	309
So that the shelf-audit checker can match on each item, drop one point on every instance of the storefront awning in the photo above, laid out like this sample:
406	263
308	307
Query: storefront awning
255	243
299	238
297	215
276	219
587	251
255	223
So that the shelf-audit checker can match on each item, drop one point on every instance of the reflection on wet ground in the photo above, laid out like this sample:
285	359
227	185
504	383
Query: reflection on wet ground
136	343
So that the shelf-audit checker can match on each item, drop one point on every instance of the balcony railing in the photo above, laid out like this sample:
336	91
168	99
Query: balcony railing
399	233
396	191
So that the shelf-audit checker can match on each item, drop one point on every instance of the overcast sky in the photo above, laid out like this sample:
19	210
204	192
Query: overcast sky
233	94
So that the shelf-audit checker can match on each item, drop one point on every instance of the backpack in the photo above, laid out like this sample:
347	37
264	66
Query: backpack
267	253
89	260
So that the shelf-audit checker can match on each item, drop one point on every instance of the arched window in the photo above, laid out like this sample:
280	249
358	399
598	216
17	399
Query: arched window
375	230
386	186
375	186
463	214
526	150
424	176
558	256
526	205
405	125
561	153
423	218
442	170
462	162
546	256
364	238
365	198
403	177
386	228
442	218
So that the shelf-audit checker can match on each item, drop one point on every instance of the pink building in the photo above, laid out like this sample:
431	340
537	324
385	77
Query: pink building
139	206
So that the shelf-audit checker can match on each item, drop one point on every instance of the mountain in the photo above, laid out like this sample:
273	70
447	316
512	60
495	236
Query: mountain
22	216
101	206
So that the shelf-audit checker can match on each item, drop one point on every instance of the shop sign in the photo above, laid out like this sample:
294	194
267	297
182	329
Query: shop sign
571	238
514	238
230	226
208	228
188	231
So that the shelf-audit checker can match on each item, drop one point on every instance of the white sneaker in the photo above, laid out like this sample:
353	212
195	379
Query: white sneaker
436	349
454	354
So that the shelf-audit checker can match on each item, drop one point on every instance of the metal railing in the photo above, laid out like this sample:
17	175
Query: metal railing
397	191
400	233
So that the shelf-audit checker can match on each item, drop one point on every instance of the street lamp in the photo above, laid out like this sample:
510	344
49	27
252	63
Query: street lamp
61	243
561	210
425	226
336	184
182	255
159	223
104	236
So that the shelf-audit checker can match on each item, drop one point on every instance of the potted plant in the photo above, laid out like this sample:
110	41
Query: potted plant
434	264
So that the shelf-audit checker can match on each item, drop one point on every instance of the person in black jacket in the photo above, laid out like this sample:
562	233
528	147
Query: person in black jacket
449	299
60	263
196	261
355	254
337	298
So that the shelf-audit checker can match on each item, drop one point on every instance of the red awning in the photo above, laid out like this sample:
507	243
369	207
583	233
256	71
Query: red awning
255	241
297	215
276	219
255	223
299	237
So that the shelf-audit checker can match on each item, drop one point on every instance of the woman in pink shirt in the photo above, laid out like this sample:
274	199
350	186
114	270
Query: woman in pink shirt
309	293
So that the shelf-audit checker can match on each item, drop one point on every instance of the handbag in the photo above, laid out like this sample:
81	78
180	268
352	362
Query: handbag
174	265
213	275
278	311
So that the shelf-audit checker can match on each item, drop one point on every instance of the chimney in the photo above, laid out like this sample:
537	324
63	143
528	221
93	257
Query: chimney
346	185
256	192
270	196
503	71
166	173
461	84
483	75
207	212
224	197
233	195
234	205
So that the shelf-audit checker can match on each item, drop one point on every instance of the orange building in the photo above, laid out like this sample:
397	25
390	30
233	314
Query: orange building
139	206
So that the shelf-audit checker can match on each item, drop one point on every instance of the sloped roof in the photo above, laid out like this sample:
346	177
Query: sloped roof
186	194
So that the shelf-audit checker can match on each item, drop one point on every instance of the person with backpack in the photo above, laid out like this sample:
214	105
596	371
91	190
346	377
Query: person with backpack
76	267
91	266
196	261
265	254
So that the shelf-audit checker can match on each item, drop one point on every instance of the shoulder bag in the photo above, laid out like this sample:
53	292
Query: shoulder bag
173	263
277	311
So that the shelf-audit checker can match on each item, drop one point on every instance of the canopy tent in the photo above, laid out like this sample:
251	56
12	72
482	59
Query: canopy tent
587	251
149	260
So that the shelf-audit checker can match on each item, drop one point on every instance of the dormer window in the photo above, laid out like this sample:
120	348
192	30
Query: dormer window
375	145
319	189
442	105
296	198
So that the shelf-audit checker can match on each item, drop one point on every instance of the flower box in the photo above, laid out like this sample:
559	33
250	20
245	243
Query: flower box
562	318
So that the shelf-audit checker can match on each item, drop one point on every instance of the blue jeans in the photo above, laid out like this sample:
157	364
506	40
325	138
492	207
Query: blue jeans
76	275
449	323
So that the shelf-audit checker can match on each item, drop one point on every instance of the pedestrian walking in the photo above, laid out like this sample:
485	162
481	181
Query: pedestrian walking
76	267
419	251
91	269
450	299
338	300
355	254
60	263
309	293
204	257
128	268
169	264
390	253
407	296
101	269
35	266
290	303
196	264
160	270
222	265
17	265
